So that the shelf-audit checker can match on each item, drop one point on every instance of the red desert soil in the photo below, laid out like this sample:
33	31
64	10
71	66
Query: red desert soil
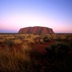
41	47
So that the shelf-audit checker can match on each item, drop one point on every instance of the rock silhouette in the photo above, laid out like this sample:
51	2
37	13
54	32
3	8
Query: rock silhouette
36	30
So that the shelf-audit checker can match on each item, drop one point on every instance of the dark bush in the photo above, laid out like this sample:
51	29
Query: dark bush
58	50
46	39
59	57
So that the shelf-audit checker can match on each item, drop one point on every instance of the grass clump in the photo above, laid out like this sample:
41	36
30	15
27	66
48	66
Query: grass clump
15	61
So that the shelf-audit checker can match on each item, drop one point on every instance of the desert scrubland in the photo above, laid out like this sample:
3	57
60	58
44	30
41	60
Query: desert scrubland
35	52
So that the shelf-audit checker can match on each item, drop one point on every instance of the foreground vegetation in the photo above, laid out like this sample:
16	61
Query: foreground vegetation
18	53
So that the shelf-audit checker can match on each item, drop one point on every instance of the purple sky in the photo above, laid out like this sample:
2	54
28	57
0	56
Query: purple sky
16	14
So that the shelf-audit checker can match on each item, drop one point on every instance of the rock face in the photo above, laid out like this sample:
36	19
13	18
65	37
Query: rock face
36	30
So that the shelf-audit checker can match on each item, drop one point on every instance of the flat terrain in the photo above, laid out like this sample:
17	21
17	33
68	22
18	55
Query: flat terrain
35	53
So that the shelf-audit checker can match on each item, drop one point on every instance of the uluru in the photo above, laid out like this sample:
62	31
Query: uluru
36	30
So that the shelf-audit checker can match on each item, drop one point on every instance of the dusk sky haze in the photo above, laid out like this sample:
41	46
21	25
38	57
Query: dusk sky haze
16	14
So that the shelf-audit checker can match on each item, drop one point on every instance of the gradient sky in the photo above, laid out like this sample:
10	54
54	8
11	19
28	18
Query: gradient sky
16	14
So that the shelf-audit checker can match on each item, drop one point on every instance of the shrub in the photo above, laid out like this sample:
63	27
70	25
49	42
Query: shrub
46	39
58	50
17	41
59	57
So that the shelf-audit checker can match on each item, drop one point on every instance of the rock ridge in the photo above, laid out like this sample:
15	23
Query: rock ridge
36	30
